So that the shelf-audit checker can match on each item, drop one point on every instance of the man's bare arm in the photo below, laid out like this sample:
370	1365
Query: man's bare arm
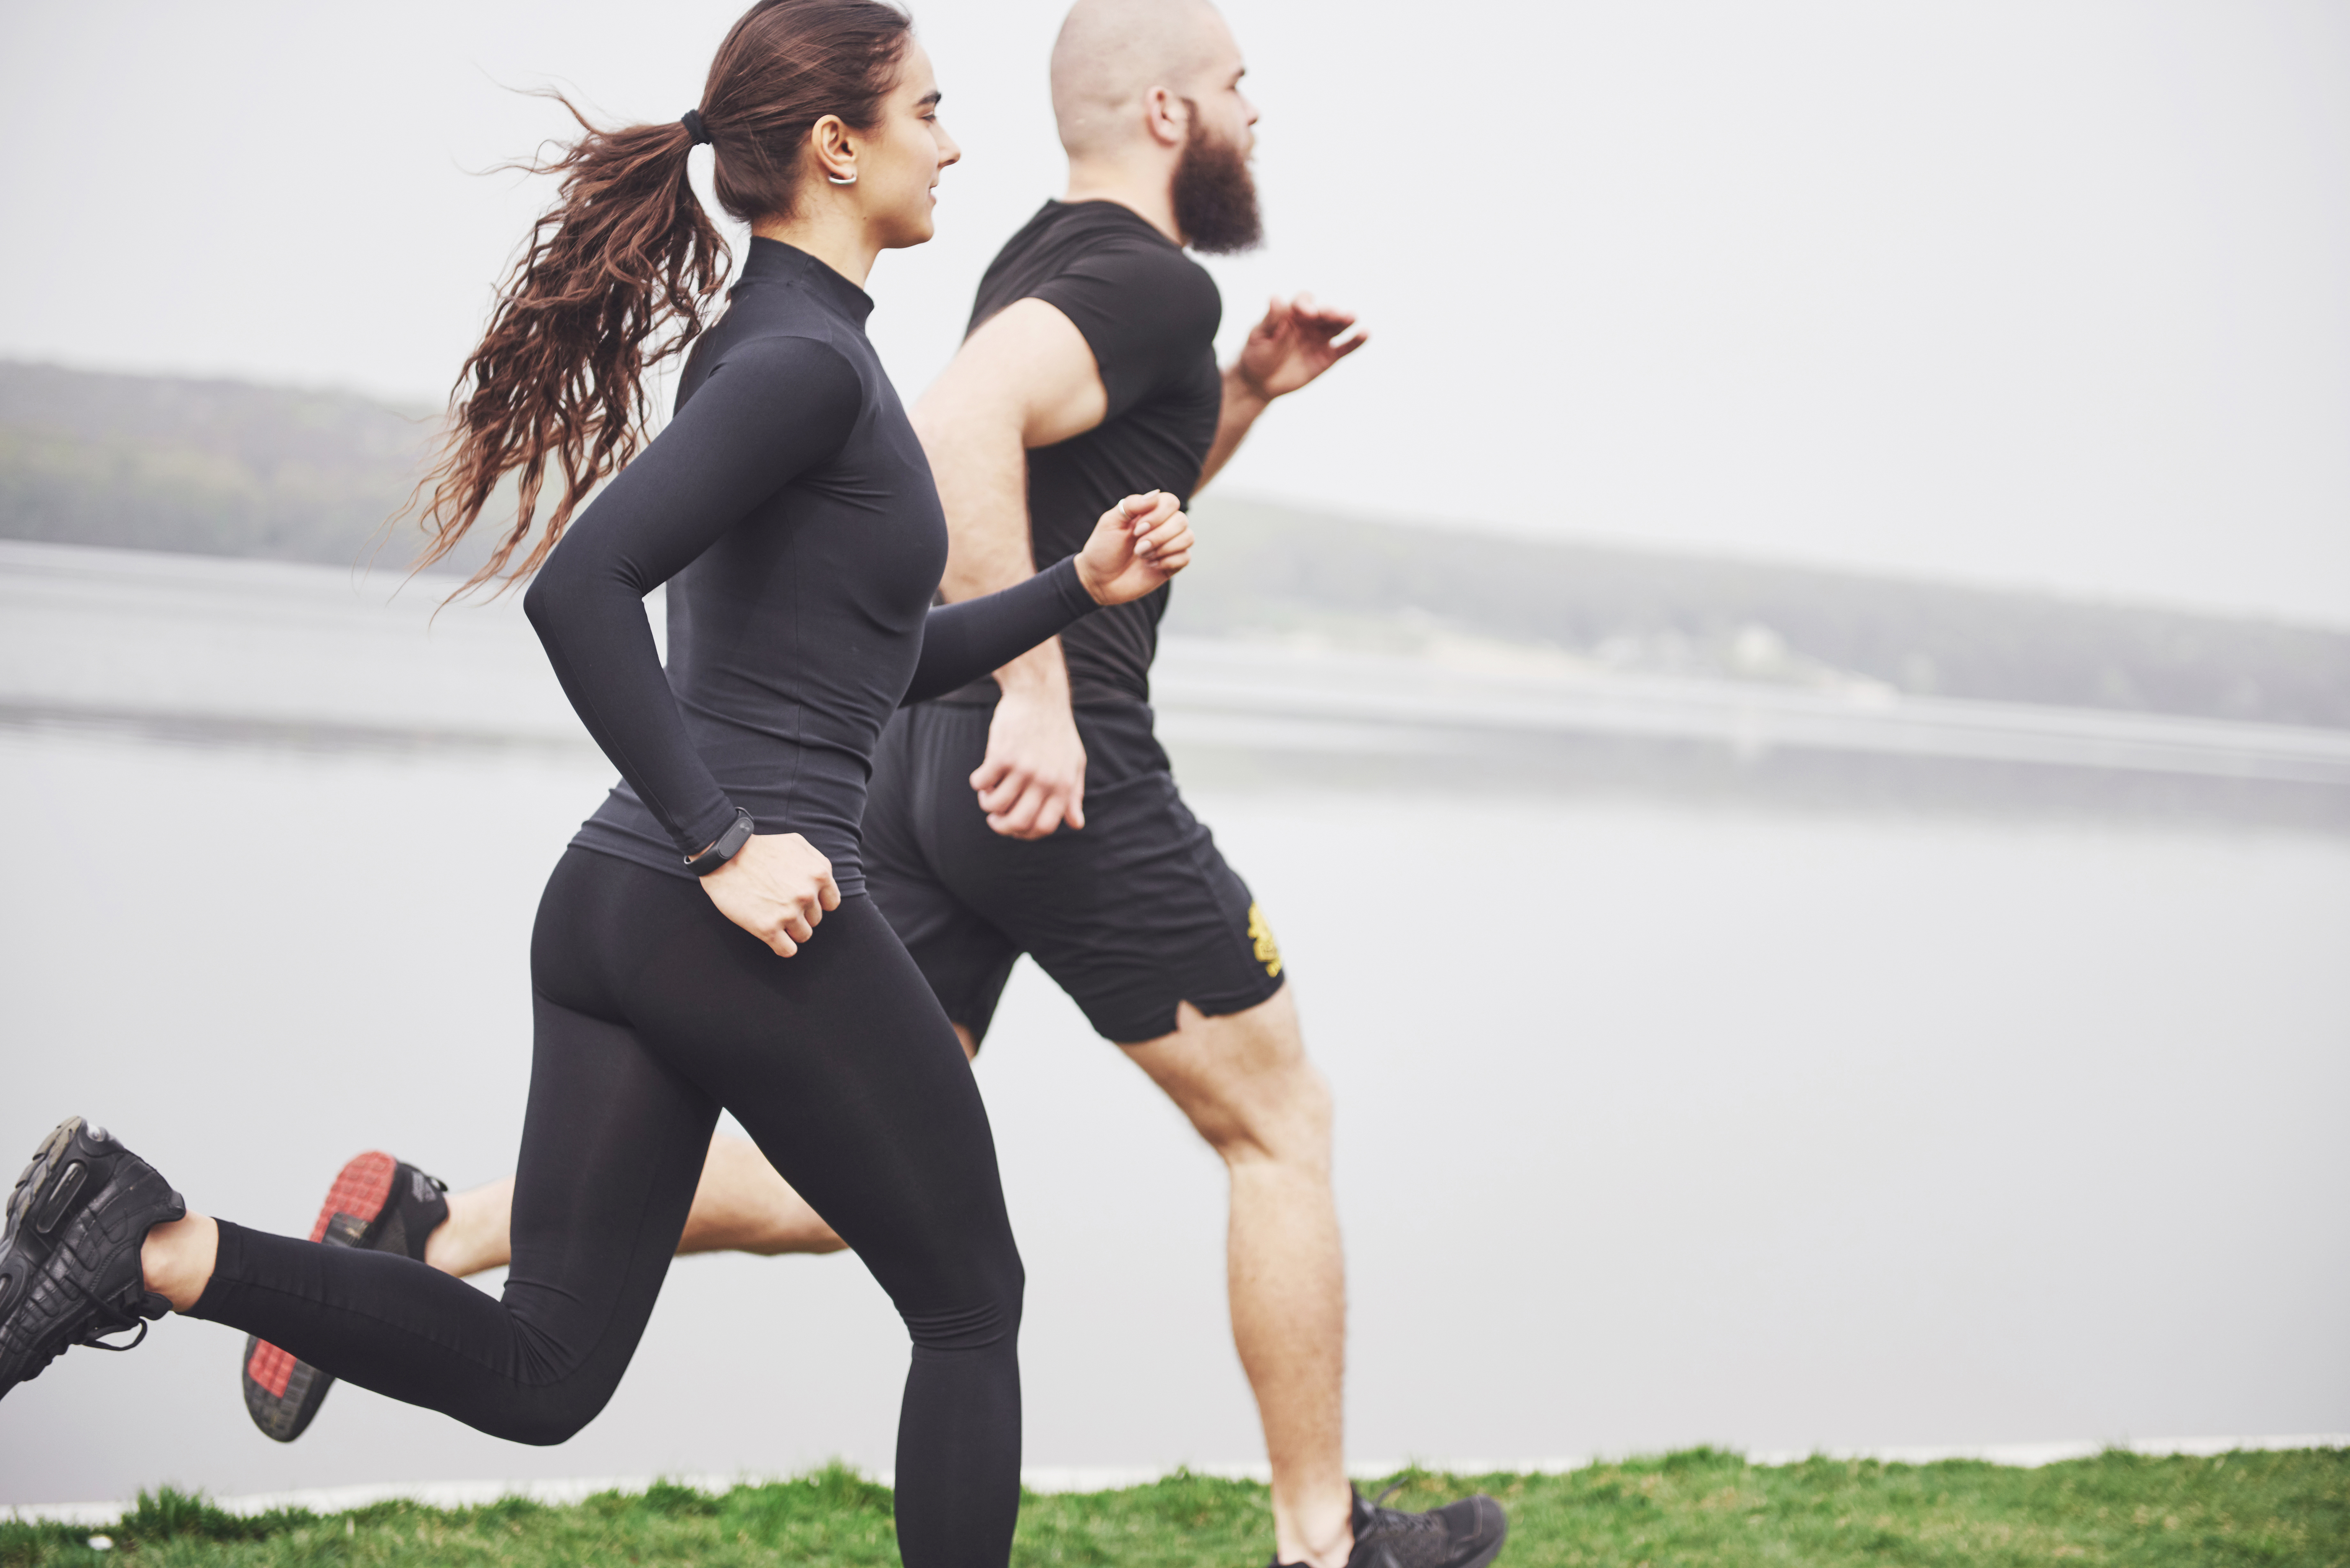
1243	404
1296	342
1024	378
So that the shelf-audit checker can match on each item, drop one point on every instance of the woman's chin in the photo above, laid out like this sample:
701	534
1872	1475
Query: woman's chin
914	231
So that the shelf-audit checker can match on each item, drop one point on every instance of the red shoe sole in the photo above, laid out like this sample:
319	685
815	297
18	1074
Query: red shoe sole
361	1189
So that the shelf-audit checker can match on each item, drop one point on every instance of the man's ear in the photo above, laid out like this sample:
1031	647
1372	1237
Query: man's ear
1166	117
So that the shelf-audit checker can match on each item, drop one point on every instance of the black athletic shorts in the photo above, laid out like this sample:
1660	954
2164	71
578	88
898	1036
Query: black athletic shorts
1130	916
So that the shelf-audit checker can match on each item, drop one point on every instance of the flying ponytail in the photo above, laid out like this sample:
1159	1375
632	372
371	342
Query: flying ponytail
619	272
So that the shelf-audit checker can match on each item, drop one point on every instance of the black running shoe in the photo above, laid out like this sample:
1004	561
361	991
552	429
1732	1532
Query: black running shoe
1464	1534
70	1269
377	1203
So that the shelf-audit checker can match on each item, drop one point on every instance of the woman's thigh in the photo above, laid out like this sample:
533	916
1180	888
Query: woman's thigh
841	1065
612	1149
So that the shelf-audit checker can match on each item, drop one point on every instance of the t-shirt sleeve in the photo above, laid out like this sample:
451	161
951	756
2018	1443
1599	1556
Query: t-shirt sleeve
1144	310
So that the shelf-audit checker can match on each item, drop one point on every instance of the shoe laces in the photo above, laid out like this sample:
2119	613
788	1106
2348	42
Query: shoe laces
111	1318
1393	1521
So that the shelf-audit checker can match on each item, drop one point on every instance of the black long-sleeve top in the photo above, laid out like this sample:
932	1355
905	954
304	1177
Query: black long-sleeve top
790	509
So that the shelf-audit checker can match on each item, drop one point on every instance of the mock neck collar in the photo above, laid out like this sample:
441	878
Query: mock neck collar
775	259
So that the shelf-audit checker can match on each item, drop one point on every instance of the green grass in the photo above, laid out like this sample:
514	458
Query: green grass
1698	1508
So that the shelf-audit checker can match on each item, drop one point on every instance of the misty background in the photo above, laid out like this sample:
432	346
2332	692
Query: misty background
1827	601
2031	294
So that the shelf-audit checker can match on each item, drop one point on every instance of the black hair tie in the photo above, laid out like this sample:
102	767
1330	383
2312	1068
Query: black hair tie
692	120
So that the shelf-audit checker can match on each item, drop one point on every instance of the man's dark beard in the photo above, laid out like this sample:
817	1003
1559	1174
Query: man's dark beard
1215	194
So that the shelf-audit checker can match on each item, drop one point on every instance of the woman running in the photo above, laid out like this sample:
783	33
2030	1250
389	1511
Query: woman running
705	941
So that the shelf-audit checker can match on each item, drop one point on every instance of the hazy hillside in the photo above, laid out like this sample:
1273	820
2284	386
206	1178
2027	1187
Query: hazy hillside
1277	571
227	468
218	468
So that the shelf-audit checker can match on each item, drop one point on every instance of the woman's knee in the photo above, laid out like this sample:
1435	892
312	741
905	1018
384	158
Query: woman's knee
546	1415
984	1315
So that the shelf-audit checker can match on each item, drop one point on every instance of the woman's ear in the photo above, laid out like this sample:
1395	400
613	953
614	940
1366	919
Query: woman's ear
834	146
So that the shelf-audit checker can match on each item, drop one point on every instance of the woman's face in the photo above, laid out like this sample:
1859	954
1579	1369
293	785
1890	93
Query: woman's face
899	158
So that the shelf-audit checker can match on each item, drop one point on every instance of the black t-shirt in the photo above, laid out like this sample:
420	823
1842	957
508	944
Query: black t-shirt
1149	313
790	509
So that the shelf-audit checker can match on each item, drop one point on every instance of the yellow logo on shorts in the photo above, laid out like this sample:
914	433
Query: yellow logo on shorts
1268	951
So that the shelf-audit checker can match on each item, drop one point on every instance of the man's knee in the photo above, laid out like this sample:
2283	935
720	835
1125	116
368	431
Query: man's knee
744	1205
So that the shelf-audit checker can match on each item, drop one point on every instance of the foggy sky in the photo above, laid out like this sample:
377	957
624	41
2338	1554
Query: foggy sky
2028	293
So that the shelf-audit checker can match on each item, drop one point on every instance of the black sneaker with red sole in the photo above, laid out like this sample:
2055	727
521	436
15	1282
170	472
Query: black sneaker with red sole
378	1203
69	1264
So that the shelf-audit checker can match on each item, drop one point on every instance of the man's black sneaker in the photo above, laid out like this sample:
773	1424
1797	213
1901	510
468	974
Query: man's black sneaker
1464	1534
70	1269
377	1203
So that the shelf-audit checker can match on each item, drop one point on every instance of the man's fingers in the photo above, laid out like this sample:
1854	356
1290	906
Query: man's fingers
1021	817
1049	815
989	774
1041	811
1307	308
828	892
783	946
1010	783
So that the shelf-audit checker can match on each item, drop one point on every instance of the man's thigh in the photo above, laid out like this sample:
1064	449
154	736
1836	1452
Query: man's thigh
1132	916
965	959
1245	1082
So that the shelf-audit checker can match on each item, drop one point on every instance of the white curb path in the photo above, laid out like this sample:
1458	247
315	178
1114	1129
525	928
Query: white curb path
475	1493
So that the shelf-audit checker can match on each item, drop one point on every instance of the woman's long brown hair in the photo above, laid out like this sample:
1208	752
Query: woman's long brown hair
619	273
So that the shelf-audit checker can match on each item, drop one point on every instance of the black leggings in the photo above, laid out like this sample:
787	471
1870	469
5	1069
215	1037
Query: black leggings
652	1012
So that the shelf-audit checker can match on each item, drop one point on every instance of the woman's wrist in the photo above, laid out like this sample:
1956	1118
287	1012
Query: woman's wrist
1087	582
723	847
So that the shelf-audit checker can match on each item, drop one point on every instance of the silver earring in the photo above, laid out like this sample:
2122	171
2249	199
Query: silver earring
839	180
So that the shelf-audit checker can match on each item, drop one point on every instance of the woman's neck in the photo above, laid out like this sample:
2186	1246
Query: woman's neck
836	239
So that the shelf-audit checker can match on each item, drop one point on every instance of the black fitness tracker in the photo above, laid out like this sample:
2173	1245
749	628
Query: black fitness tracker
724	847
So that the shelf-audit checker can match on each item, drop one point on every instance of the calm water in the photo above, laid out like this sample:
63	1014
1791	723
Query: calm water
1659	1124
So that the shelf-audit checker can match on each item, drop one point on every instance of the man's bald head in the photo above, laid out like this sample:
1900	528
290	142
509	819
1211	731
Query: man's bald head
1111	52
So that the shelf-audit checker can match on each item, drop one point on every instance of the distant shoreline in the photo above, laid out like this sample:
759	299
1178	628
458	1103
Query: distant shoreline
213	652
